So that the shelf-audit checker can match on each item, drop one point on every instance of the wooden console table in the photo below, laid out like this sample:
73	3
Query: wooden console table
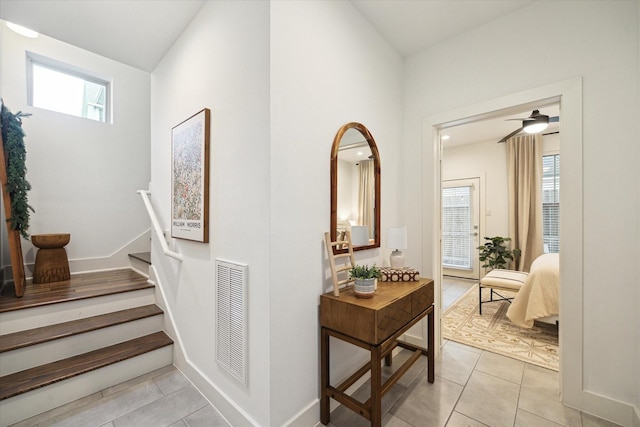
374	324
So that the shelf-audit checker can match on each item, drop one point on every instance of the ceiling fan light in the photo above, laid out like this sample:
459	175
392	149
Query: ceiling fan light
535	127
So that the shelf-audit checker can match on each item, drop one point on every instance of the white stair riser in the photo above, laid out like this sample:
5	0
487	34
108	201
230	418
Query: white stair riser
51	351
140	266
26	405
21	320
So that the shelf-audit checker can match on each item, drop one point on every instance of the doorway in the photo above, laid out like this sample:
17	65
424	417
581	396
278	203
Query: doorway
461	228
569	94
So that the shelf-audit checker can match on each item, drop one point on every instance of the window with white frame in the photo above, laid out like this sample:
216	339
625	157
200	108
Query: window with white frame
60	87
551	202
456	227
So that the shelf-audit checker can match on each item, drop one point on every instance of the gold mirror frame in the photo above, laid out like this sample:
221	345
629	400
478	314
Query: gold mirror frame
334	183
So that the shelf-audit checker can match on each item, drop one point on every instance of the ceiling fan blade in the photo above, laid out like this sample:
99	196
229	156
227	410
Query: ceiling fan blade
515	132
554	119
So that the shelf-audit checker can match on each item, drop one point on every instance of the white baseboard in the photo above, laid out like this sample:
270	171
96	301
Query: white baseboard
116	260
233	413
308	416
608	409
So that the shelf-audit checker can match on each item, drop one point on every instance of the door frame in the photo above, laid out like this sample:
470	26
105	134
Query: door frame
569	94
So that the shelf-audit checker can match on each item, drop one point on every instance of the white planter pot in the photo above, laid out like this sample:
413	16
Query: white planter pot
364	288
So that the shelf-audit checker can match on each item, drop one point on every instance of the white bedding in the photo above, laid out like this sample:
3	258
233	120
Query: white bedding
539	295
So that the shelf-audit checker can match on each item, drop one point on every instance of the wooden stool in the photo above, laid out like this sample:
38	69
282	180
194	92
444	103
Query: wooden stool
51	264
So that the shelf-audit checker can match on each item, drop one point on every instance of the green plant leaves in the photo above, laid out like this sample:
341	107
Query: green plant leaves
15	156
495	254
365	272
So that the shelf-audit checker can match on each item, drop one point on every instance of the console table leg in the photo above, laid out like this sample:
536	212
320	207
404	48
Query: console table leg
388	359
376	387
324	377
431	362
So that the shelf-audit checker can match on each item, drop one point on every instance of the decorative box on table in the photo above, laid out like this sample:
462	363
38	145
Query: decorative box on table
405	274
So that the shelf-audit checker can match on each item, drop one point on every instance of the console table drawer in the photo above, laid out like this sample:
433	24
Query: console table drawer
375	319
392	317
421	299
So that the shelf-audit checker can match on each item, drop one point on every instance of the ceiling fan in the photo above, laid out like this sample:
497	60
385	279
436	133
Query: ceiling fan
535	123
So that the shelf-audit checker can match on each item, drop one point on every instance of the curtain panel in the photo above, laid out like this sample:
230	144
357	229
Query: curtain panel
366	195
524	165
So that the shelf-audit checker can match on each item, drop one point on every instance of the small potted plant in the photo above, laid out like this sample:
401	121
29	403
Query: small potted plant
365	280
495	254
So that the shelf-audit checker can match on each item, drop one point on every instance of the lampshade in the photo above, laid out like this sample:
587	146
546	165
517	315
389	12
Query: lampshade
397	238
359	235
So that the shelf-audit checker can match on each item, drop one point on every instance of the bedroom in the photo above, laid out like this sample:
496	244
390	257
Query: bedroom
476	205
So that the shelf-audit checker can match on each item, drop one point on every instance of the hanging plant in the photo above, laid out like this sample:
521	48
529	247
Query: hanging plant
15	157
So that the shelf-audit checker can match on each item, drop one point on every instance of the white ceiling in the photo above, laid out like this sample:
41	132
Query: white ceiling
140	32
134	32
413	25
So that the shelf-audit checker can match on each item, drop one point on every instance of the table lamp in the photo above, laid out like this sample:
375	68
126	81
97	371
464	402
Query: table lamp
397	240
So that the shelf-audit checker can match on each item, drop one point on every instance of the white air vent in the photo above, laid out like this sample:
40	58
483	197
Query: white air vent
231	316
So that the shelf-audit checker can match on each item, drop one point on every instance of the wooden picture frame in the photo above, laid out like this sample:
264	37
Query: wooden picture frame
190	178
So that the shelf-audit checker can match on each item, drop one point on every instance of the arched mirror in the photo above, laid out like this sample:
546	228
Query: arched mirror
355	187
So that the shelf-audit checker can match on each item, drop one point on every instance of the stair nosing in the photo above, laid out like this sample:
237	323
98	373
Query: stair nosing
40	376
30	337
79	287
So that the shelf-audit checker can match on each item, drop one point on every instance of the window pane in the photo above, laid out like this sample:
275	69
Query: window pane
456	227
67	91
551	202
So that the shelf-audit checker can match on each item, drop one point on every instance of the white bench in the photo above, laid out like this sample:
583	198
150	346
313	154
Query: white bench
501	280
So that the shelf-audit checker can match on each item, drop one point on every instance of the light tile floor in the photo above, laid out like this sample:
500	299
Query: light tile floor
162	398
473	388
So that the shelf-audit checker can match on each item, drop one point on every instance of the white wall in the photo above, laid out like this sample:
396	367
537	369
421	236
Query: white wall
271	142
328	67
489	62
220	62
488	161
637	132
84	173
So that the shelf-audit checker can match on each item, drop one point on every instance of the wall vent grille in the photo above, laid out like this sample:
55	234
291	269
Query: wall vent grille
231	316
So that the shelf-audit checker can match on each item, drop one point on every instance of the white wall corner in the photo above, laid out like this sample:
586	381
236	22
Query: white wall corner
308	416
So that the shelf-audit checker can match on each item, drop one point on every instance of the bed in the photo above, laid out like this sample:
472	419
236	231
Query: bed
538	298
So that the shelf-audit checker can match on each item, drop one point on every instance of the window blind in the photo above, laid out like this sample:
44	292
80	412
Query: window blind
551	202
456	227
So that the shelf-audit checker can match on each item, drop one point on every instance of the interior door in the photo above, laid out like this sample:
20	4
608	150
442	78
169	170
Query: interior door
461	228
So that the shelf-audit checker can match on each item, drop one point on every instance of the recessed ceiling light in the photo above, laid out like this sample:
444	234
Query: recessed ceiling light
22	30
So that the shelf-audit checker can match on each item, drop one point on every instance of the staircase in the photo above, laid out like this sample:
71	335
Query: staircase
66	340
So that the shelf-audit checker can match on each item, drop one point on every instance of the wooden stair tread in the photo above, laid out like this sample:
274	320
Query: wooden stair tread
79	286
48	333
43	375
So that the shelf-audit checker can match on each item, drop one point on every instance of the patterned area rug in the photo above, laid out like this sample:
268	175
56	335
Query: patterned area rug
494	332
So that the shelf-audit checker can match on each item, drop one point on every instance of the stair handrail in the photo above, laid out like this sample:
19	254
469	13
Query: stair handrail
156	226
